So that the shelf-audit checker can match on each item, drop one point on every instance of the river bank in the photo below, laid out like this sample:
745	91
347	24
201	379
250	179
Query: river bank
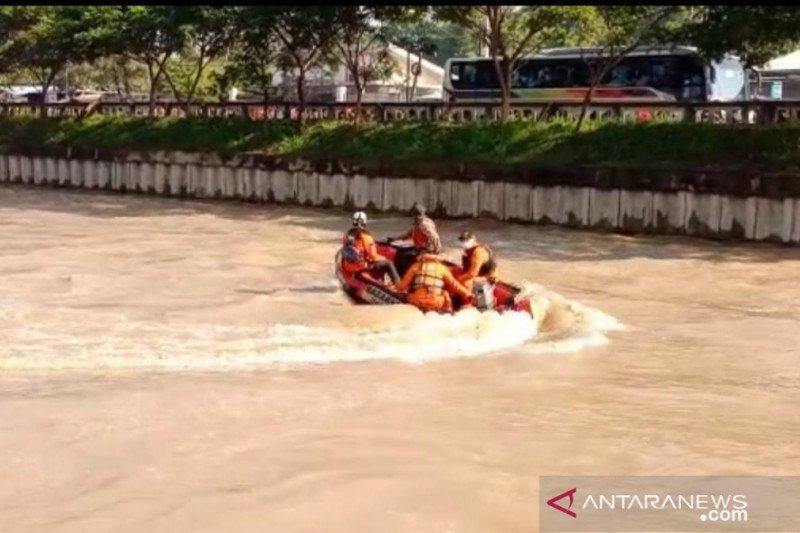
712	181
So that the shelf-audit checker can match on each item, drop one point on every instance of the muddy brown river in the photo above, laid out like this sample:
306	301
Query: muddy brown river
172	366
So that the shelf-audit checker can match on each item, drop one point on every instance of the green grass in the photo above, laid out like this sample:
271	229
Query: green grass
648	145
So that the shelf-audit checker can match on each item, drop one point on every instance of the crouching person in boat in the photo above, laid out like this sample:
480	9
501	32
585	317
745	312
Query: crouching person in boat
478	271
429	284
477	262
360	255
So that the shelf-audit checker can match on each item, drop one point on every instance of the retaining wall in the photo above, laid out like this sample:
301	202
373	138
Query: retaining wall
766	213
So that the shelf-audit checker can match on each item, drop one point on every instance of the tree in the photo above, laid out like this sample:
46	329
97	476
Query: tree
512	32
423	38
150	35
253	72
305	34
58	35
188	83
620	30
13	20
362	44
208	33
112	73
437	40
755	33
252	61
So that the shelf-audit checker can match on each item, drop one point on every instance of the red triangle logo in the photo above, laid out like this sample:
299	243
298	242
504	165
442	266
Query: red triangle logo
552	502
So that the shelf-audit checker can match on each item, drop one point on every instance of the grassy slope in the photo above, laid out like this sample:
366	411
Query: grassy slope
654	144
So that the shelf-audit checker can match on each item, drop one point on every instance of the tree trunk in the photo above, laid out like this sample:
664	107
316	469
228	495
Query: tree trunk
151	93
301	94
408	72
124	78
266	85
359	96
584	108
175	92
416	78
154	75
200	68
151	100
190	95
758	83
587	100
505	86
503	72
45	89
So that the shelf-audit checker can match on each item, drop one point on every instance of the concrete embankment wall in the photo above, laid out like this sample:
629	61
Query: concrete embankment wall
751	210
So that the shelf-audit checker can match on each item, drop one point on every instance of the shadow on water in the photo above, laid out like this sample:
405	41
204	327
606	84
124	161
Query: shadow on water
297	290
513	241
258	292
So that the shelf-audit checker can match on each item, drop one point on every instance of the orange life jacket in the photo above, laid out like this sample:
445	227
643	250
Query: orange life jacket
430	277
354	252
418	237
486	268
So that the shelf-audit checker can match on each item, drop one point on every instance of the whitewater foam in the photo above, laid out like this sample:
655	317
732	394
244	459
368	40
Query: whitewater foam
71	341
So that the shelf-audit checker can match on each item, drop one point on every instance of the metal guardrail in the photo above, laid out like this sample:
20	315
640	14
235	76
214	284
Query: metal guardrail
745	112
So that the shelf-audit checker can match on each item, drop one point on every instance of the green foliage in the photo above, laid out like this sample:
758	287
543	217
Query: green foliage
651	145
114	73
13	20
512	32
147	33
137	133
254	42
621	28
252	60
437	40
207	33
186	80
756	33
361	42
305	32
57	35
306	35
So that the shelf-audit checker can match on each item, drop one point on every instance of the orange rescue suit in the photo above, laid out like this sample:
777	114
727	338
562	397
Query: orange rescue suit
477	262
429	282
423	234
362	250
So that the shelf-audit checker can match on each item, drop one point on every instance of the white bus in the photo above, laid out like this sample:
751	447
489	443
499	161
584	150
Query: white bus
563	74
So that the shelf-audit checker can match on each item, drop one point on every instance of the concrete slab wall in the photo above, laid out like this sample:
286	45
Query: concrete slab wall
717	216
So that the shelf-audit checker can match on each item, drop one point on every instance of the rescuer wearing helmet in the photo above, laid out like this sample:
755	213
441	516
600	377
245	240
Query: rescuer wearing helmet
359	253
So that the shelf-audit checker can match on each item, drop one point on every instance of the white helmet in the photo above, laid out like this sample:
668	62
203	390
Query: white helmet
360	218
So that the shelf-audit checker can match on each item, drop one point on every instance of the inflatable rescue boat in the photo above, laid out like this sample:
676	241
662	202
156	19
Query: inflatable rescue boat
363	288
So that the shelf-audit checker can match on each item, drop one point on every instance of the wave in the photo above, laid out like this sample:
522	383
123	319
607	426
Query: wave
67	340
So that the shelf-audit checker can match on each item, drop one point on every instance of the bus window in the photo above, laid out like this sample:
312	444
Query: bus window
462	75
525	76
621	76
681	77
473	75
486	76
533	74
